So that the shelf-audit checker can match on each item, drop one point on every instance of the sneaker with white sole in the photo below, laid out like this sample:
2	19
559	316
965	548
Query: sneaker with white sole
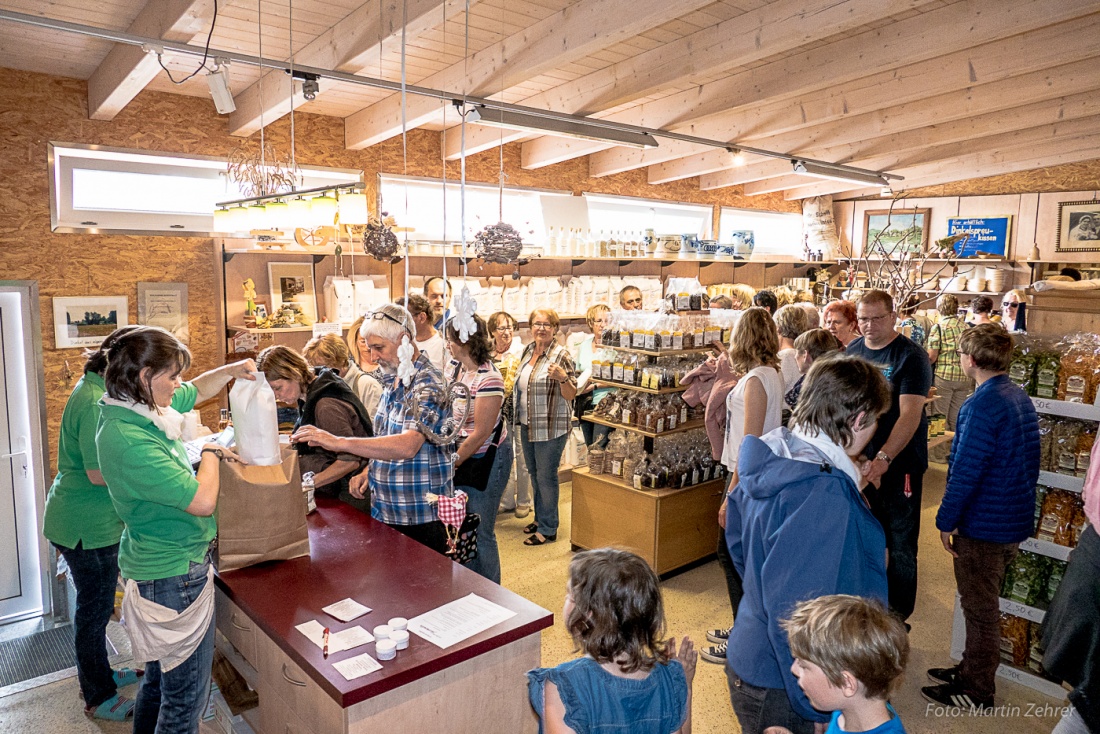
955	696
944	675
719	635
714	654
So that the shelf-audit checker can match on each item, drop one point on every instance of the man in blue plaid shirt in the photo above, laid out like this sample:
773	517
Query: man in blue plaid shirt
404	467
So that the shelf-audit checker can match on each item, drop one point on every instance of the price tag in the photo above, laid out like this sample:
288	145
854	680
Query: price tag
1041	404
323	327
1017	609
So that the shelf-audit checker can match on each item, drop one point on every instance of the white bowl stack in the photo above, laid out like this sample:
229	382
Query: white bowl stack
997	277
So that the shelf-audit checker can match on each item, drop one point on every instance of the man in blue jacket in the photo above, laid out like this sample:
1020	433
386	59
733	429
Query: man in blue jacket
797	528
987	509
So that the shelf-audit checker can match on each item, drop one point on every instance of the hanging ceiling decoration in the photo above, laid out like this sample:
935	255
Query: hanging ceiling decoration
379	241
499	243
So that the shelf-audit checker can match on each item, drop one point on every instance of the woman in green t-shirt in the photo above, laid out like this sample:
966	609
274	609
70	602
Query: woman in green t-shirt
164	552
83	526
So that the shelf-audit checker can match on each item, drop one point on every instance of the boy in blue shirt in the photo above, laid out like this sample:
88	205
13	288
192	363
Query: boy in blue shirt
849	653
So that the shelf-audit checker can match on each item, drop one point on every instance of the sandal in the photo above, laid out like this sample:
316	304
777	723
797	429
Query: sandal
540	539
531	529
127	676
115	708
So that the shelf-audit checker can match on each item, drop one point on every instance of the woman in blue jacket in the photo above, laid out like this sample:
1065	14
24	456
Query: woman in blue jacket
798	528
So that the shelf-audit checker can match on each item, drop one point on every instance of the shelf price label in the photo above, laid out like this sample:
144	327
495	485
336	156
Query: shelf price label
1017	609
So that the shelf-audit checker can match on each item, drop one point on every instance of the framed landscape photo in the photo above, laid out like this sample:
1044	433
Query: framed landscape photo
898	231
292	283
1078	226
85	321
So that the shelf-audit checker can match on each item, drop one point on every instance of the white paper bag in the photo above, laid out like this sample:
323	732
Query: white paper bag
339	299
255	421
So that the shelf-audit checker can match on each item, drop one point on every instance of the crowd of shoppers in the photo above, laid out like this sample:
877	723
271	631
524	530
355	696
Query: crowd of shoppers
820	518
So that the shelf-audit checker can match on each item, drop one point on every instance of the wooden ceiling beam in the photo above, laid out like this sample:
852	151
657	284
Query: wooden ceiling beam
126	70
771	29
923	37
573	33
826	142
352	45
969	156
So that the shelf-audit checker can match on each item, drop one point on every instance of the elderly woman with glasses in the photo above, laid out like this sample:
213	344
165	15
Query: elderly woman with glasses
544	390
505	351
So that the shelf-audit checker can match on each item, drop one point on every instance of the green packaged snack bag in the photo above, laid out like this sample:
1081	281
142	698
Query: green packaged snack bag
1047	368
1029	579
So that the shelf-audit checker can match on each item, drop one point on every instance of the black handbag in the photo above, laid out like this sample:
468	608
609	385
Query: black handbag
475	471
583	404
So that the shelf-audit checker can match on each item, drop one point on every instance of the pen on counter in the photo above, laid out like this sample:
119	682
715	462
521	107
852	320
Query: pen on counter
324	647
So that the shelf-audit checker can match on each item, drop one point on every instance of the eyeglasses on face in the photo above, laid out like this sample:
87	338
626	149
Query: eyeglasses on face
504	328
864	320
541	325
1010	304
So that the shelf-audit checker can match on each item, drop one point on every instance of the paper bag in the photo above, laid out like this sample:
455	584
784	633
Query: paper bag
261	513
256	421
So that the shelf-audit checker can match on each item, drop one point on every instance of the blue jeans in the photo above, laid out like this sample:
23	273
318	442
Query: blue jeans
592	432
543	459
95	575
172	702
759	708
485	503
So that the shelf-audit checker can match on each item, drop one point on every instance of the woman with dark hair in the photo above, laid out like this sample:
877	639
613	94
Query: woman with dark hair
168	509
484	443
323	400
981	311
81	523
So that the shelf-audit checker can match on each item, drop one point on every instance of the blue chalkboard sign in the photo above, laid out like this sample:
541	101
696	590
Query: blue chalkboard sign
988	235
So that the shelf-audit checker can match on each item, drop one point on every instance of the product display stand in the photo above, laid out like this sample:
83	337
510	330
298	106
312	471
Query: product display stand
1081	411
669	528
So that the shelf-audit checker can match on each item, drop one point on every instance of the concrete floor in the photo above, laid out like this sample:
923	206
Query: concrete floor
694	601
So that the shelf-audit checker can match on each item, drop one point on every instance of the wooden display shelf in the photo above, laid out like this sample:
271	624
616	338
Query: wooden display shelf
669	528
639	388
659	352
278	330
688	426
937	440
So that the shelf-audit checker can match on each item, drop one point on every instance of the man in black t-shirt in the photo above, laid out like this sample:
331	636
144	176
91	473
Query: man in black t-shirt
898	452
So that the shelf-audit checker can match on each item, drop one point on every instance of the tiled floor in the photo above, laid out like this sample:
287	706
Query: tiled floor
694	601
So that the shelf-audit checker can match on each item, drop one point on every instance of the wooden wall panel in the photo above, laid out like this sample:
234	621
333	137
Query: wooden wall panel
36	109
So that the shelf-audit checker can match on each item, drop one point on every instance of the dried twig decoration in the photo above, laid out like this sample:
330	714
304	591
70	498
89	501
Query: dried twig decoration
499	243
261	172
380	242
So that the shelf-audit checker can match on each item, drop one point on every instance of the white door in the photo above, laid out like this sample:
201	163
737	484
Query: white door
21	548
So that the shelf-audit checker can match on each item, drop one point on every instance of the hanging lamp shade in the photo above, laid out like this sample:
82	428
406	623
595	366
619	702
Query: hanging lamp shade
298	214
353	208
238	219
277	214
257	218
323	210
223	220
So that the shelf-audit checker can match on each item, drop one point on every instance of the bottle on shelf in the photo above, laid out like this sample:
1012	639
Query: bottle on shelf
552	242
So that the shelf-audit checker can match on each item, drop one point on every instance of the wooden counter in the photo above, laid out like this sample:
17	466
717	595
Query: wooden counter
457	689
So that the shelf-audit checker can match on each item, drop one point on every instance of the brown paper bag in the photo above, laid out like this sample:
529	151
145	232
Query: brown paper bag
261	513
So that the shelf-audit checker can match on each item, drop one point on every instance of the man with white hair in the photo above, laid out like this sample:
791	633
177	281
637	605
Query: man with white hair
404	467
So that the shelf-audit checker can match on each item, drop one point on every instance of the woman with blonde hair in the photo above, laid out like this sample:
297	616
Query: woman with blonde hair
357	347
791	321
505	352
753	407
583	347
952	384
330	351
1010	307
742	296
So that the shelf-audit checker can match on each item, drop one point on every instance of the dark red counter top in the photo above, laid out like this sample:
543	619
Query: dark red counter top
352	555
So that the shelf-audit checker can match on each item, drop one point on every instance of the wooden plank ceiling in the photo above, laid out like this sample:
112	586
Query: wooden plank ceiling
932	90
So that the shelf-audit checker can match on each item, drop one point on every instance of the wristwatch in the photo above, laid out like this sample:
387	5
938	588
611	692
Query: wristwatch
884	456
217	452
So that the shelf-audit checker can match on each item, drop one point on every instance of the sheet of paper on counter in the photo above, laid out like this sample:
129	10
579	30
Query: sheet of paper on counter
347	639
458	620
357	666
346	610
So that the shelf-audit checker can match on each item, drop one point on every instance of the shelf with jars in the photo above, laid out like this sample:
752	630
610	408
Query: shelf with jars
656	476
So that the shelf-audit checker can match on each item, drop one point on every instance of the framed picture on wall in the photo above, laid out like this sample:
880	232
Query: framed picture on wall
896	232
85	321
164	305
292	284
1078	226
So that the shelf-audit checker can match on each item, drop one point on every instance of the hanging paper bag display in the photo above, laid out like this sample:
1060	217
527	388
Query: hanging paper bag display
819	226
256	421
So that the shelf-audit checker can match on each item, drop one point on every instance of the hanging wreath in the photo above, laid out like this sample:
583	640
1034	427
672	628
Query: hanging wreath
379	241
499	243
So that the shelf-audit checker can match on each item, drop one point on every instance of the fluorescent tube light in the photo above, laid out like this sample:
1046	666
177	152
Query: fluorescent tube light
837	174
556	126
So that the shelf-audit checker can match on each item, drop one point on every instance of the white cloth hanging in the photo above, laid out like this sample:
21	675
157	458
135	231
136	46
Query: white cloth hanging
158	633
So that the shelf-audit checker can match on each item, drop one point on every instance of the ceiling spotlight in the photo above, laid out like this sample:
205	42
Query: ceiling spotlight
310	84
218	81
736	156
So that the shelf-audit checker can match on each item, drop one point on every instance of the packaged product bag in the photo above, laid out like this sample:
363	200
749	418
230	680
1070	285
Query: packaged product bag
339	299
261	512
256	421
